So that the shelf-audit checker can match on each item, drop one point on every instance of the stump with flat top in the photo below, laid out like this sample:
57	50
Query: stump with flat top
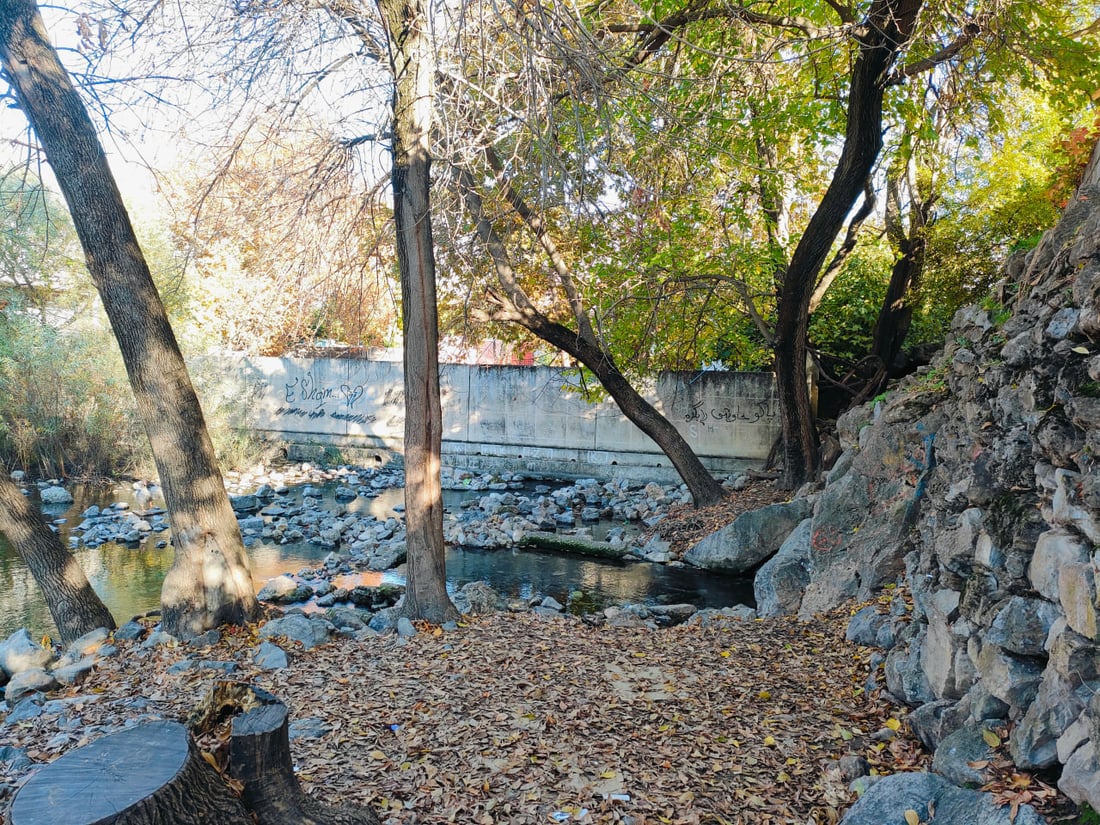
154	774
150	773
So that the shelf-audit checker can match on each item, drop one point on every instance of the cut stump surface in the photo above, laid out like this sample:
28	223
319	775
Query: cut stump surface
150	773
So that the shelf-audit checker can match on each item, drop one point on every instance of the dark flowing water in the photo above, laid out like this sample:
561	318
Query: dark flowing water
129	578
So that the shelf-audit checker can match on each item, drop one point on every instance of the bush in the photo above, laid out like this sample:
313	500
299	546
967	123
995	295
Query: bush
67	407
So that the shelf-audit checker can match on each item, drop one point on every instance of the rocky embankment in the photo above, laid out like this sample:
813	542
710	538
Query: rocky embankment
972	490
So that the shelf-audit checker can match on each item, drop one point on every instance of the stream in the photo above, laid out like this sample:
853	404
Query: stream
128	577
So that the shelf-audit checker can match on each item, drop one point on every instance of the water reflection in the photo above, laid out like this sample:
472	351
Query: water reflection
129	578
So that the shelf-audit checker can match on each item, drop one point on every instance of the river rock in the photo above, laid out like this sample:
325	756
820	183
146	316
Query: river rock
56	495
751	538
311	727
15	759
477	598
245	503
269	656
668	615
284	590
20	652
74	673
131	631
387	556
298	628
887	800
29	681
347	618
87	645
384	620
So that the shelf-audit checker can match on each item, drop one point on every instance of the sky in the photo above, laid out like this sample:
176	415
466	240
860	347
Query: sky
140	131
131	148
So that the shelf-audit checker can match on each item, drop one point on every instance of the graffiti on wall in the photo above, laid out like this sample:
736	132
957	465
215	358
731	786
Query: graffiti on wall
726	415
748	410
306	398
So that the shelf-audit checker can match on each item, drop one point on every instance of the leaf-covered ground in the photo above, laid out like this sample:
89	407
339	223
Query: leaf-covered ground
520	718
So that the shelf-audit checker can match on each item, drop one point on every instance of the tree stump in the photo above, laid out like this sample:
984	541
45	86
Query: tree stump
259	758
149	774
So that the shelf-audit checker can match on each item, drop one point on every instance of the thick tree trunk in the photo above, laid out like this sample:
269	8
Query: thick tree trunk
896	313
888	26
209	582
74	605
260	759
705	489
150	774
413	66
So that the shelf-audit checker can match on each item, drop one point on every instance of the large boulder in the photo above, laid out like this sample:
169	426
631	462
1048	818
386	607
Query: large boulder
887	800
750	539
780	582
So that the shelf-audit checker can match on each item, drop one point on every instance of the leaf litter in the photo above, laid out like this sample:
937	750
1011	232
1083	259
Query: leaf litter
521	718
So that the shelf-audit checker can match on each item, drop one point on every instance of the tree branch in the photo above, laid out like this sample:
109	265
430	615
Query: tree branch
534	222
829	273
970	31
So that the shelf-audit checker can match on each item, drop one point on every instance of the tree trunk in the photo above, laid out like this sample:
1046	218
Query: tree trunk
259	758
888	26
209	582
705	489
896	313
413	65
74	605
150	774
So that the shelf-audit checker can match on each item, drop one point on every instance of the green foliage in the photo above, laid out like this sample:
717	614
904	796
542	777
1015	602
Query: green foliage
844	323
998	312
67	405
40	258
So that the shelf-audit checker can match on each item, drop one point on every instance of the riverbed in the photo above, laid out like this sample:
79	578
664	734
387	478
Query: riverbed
128	577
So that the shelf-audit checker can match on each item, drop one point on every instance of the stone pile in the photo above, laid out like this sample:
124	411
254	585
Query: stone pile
117	523
27	667
498	519
974	487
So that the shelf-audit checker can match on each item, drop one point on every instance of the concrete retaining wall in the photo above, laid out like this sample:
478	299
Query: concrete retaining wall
523	419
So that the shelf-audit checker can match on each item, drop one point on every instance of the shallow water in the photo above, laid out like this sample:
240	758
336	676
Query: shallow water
128	578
